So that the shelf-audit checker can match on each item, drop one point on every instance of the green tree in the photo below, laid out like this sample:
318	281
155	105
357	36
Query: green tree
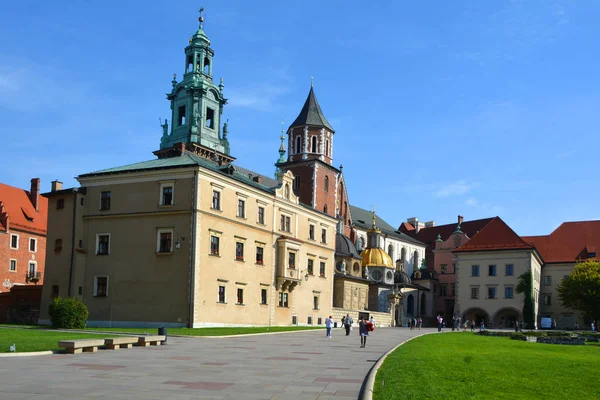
524	286
581	290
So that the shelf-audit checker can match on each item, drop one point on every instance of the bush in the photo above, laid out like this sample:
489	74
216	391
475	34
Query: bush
68	313
517	336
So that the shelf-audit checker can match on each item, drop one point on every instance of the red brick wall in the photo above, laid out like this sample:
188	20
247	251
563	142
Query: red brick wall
23	257
305	172
324	197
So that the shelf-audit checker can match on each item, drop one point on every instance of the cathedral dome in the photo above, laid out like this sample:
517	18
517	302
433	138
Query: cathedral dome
376	257
344	247
401	278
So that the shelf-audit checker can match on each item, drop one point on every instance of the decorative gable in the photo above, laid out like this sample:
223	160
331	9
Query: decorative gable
284	190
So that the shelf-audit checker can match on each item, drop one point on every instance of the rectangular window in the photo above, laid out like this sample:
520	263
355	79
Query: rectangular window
102	244
13	266
181	115
491	293
315	302
261	215
508	292
283	299
216	200
32	269
55	291
442	290
474	293
547	300
509	270
82	201
285	223
263	296
165	241
239	251
444	268
491	270
210	118
474	270
32	244
214	245
323	235
221	294
60	204
240	296
259	255
167	196
101	286
291	260
311	232
548	280
322	269
105	201
14	241
310	267
241	208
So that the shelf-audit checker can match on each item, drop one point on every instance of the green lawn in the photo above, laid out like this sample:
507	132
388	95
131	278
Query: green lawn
38	340
211	331
464	365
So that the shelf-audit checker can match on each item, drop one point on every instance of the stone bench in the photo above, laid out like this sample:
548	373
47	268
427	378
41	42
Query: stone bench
120	343
77	346
154	340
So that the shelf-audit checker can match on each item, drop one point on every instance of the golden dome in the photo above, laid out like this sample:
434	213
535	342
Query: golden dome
376	257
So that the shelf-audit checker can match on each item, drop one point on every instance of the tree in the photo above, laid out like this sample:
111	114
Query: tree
581	290
524	286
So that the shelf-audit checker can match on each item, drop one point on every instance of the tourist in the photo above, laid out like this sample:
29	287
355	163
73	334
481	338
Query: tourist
328	325
372	321
440	320
482	327
420	322
593	326
348	324
472	325
363	332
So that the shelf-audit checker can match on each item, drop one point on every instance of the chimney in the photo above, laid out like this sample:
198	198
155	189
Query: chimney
34	193
414	221
56	185
460	219
257	179
429	224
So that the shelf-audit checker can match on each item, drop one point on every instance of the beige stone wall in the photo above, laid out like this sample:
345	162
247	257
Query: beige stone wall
496	308
565	317
349	294
382	320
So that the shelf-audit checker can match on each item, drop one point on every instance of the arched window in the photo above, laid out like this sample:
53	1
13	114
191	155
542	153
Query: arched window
391	251
325	208
327	147
298	145
356	268
410	305
346	212
416	260
326	183
314	144
287	191
206	65
423	304
359	244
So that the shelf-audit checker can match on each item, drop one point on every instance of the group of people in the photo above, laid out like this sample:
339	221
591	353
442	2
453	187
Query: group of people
415	323
364	327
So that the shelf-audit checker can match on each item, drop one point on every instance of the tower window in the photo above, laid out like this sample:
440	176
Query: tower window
298	145
206	65
327	147
297	182
210	118
189	64
181	116
325	208
326	183
314	144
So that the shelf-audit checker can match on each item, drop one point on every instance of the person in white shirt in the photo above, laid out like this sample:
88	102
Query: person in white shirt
328	325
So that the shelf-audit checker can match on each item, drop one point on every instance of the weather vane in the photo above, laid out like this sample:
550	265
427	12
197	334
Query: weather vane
312	81
201	19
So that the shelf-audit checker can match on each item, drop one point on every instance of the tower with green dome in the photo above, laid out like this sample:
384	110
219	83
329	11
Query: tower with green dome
196	105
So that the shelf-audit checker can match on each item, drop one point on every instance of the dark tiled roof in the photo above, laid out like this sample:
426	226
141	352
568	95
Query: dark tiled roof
496	235
265	180
570	242
344	247
311	113
364	219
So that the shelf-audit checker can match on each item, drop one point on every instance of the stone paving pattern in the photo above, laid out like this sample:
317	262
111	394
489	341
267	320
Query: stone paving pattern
299	365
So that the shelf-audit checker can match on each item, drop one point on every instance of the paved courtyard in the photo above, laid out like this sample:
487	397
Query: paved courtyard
299	365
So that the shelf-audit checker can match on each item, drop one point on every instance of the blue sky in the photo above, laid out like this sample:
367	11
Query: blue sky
440	108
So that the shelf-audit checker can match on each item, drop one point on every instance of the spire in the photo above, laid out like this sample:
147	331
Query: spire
201	19
311	113
281	152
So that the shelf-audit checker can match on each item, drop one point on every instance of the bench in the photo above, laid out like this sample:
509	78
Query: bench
120	343
77	346
154	340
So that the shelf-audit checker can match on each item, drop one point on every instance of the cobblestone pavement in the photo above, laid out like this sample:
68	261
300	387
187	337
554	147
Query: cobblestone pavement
299	365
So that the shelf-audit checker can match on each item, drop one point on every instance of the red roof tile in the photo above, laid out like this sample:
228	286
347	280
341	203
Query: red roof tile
429	235
496	235
570	242
20	211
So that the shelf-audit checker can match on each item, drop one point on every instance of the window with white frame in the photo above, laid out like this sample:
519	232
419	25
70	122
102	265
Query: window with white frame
103	244
311	232
32	245
260	258
315	302
509	270
322	268
491	293
216	200
263	296
14	241
509	292
324	236
291	259
474	293
214	245
547	300
166	193
285	223
239	251
261	215
164	241
100	286
13	265
240	296
221	298
283	299
547	280
241	211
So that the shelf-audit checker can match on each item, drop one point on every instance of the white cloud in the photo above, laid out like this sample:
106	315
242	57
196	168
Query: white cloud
484	206
455	188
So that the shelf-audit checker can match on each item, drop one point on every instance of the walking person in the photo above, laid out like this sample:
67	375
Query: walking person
472	325
363	332
348	324
420	322
440	320
328	325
